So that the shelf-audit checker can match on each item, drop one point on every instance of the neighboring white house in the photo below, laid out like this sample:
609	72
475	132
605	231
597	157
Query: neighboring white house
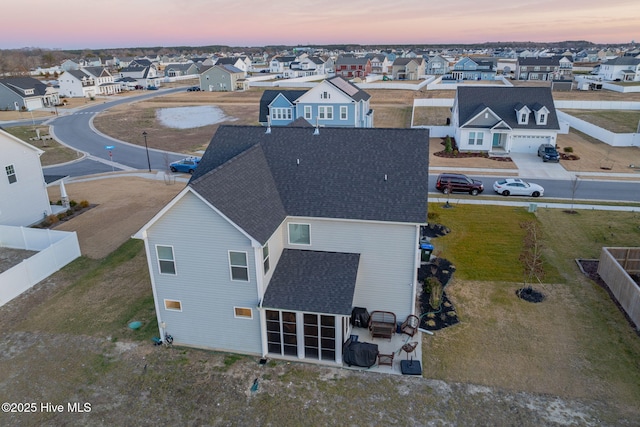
624	68
504	119
87	82
23	192
280	233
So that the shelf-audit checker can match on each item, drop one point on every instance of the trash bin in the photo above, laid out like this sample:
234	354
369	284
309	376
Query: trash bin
425	251
532	207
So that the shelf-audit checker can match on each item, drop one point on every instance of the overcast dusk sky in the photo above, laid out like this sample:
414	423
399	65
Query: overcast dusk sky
93	24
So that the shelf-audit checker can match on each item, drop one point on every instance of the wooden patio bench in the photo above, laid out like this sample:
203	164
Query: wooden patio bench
382	324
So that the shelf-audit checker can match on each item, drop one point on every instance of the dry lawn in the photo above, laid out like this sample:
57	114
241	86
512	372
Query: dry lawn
124	205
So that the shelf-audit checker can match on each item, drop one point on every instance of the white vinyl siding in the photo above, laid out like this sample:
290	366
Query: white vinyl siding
203	285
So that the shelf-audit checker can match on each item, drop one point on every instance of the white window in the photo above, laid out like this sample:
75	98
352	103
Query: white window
307	112
11	174
325	113
542	119
243	312
325	95
281	113
344	112
239	266
523	118
299	234
475	138
166	260
172	305
265	258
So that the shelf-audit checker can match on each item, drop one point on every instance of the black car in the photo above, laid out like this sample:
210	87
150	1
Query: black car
458	183
194	89
548	153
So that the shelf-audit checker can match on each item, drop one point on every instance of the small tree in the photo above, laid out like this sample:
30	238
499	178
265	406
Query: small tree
574	182
531	256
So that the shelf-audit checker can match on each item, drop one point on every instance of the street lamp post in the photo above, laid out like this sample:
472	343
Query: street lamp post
146	147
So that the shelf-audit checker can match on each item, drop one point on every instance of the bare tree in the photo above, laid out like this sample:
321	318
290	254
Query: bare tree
531	256
574	182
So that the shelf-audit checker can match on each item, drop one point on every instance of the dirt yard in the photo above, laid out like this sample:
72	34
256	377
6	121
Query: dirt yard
126	379
124	204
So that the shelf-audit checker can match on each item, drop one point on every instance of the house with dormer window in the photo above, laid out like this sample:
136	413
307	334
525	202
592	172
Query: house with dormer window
26	93
279	64
335	102
281	233
504	119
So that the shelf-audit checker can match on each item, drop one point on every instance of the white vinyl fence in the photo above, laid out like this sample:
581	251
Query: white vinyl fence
55	250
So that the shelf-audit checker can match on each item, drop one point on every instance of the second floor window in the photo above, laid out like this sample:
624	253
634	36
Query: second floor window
166	261
307	112
239	266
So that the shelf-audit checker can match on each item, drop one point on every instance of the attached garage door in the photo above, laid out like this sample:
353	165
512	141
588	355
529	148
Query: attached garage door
33	103
528	143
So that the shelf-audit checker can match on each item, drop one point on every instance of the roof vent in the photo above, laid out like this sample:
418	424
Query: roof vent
316	131
385	176
268	131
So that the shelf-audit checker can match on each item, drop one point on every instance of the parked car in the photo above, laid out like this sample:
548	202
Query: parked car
517	187
152	88
548	153
194	89
458	183
187	165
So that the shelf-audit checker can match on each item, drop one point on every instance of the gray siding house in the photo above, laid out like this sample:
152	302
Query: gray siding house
504	119
280	233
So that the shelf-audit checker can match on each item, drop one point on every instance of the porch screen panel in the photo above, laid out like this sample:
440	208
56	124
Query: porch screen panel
274	339
311	341
328	337
289	336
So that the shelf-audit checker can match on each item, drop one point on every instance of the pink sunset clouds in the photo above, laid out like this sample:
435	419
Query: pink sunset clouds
76	24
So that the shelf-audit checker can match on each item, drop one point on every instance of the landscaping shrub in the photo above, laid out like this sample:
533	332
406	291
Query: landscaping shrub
568	149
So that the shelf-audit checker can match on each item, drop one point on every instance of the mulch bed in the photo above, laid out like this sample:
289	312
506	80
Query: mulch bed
436	318
456	154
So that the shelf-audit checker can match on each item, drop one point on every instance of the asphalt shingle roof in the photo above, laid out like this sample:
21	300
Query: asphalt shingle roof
269	95
313	281
257	178
504	101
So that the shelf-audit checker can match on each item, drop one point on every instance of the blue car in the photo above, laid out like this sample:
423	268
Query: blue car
187	165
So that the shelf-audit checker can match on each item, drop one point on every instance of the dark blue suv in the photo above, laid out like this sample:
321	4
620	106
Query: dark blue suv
548	153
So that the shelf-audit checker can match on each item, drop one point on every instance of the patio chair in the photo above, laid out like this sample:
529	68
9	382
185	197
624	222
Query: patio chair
410	325
409	348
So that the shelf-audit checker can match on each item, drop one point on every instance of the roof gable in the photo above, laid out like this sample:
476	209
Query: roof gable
504	101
